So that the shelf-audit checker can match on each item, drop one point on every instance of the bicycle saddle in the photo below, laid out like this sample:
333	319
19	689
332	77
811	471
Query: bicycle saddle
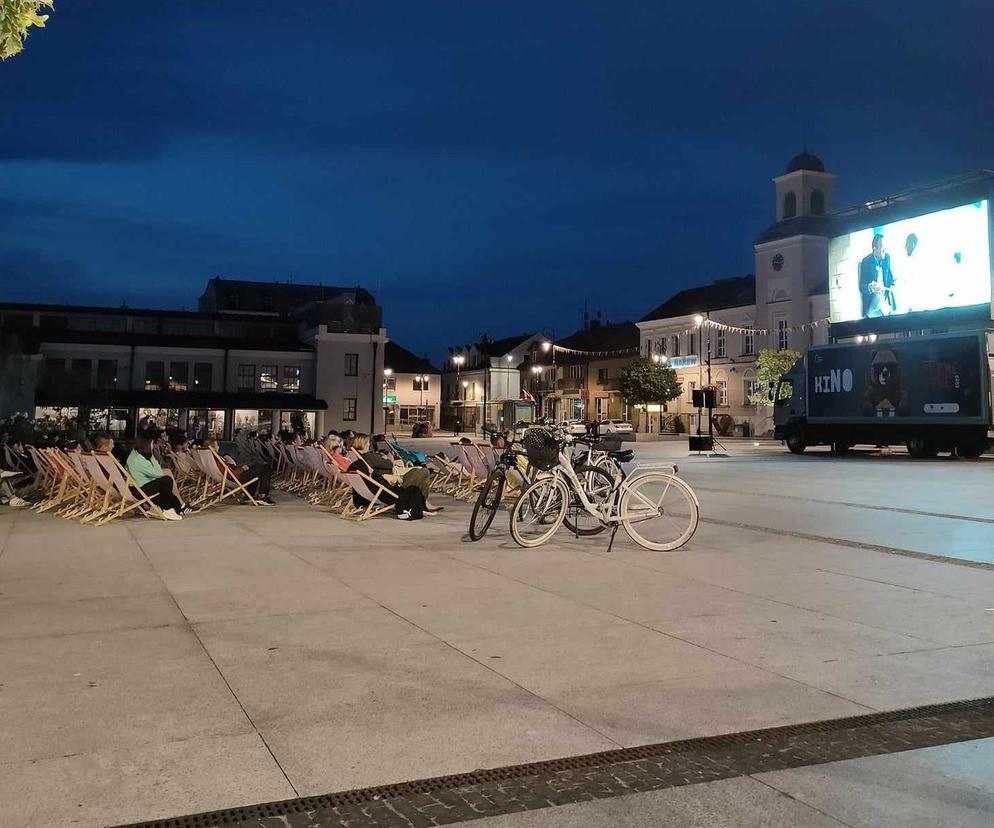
622	456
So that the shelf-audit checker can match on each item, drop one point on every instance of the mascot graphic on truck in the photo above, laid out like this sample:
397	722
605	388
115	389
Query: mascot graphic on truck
885	396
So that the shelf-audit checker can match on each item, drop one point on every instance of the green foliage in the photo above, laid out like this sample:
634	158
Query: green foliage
643	382
770	366
16	17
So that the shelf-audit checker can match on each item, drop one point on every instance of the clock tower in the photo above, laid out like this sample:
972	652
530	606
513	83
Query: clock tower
792	254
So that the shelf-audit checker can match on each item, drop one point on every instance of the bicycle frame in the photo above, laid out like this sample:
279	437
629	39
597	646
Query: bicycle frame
608	513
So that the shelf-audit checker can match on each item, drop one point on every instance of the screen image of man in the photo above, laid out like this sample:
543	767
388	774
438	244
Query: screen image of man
876	282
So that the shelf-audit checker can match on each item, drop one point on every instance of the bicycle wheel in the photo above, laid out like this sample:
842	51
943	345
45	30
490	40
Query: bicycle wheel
487	504
599	487
659	511
539	511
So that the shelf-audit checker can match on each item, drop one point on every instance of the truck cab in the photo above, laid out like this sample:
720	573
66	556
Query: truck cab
790	409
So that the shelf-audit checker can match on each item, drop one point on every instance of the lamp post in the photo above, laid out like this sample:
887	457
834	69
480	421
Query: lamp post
550	346
458	360
387	373
420	380
699	321
536	372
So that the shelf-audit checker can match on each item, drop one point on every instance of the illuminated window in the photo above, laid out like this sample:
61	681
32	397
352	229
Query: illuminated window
349	409
269	378
722	387
291	379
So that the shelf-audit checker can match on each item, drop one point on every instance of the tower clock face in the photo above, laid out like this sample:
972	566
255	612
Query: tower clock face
778	262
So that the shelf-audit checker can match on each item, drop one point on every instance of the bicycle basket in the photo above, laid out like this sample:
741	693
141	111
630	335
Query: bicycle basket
541	448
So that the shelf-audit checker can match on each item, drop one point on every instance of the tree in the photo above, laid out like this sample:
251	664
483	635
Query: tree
644	382
16	17
770	366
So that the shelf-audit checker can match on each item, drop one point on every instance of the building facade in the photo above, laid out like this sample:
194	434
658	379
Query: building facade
479	380
256	356
773	309
412	389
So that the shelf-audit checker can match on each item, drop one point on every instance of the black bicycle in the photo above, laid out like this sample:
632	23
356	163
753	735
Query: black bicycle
489	499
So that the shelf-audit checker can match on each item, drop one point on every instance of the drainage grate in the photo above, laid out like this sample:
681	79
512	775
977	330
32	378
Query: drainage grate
483	793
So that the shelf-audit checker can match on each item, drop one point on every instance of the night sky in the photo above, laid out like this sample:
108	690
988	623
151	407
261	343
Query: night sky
479	166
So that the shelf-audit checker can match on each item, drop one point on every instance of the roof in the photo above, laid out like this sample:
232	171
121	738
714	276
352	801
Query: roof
275	297
797	226
734	292
499	347
805	161
618	336
402	361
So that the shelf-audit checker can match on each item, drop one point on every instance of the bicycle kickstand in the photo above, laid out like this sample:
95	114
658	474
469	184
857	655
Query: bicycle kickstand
610	543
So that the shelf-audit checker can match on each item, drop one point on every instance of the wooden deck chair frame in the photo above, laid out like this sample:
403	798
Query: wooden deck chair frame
130	497
222	474
370	490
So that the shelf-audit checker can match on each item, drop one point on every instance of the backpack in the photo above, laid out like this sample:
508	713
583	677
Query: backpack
409	498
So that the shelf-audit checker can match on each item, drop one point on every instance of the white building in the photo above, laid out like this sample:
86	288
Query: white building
768	310
478	379
412	388
255	356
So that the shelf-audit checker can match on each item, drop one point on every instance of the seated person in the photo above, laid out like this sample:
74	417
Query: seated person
383	471
259	473
153	480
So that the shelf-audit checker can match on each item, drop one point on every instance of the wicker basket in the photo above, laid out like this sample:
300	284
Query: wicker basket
542	448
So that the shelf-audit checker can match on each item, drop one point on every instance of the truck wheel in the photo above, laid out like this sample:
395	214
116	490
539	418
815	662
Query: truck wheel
922	448
971	448
795	441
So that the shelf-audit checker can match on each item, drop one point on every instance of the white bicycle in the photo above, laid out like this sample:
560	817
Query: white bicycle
657	509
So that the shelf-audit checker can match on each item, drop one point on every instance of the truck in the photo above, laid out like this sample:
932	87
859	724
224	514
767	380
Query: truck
930	393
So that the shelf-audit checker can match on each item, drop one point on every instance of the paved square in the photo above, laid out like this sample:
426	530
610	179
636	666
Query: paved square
149	670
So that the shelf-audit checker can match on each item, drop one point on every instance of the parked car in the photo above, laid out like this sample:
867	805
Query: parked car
615	427
573	426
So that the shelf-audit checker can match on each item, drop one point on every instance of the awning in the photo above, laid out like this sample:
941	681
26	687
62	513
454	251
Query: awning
125	398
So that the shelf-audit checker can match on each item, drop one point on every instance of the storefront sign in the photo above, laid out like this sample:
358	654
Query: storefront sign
389	399
682	362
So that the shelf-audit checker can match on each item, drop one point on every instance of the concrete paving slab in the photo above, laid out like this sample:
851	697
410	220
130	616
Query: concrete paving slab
431	734
775	635
130	784
951	785
730	803
904	679
737	697
94	691
33	617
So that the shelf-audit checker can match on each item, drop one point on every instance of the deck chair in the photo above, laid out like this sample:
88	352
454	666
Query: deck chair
379	497
126	494
221	474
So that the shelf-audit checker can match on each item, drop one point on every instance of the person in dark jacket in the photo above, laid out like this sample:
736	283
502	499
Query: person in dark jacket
383	472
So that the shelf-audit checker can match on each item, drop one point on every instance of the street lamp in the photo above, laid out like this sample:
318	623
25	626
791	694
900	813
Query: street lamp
536	372
420	380
458	360
387	372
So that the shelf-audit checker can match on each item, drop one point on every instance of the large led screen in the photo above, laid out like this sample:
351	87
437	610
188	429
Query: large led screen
933	261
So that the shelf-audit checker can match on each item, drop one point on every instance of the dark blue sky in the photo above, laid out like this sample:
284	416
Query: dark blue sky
477	165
